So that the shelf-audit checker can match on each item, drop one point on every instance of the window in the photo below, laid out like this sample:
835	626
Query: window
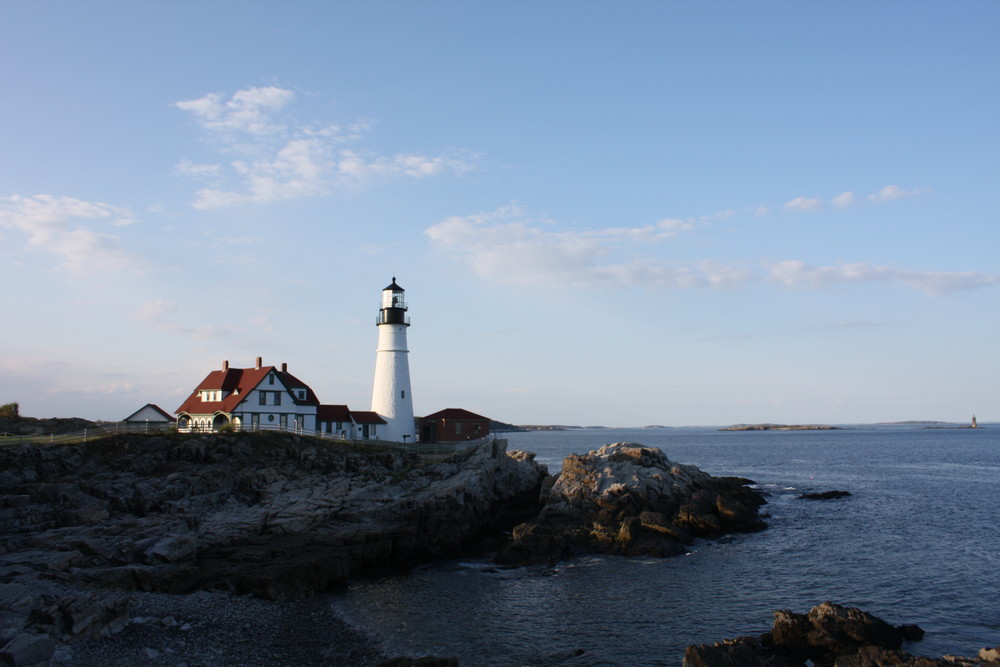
277	398
263	397
458	428
270	378
402	393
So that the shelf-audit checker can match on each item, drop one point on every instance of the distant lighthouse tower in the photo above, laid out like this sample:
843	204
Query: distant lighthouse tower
391	393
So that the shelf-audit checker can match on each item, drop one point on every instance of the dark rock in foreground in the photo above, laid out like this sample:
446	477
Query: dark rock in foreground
269	514
629	499
828	636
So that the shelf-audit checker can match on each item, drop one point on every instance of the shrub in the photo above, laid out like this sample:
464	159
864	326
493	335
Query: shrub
10	410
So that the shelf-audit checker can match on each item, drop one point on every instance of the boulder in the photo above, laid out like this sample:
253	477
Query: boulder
829	635
27	649
832	629
629	499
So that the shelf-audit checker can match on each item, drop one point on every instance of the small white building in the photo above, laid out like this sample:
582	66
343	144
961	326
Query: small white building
150	415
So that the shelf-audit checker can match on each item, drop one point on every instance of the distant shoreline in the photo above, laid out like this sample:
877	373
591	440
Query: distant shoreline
525	428
782	427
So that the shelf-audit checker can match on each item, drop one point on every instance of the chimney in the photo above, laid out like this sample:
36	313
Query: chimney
225	365
284	366
260	362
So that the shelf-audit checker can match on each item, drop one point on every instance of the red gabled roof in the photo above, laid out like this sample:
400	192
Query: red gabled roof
333	413
367	418
455	413
237	383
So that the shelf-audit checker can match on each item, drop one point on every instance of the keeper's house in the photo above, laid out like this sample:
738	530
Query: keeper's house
268	397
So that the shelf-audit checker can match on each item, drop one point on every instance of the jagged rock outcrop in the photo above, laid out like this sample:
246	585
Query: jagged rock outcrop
829	635
629	499
270	514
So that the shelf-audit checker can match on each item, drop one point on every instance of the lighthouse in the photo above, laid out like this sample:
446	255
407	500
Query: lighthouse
391	398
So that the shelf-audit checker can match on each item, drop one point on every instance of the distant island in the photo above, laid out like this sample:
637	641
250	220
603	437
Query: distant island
558	427
781	427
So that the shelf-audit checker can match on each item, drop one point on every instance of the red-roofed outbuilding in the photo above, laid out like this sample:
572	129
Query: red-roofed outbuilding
453	425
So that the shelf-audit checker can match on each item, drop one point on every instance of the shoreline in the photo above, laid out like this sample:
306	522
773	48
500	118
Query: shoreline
217	628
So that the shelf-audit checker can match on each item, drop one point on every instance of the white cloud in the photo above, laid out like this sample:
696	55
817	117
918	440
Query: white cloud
56	224
507	246
160	314
803	204
198	171
502	245
796	273
843	199
247	110
278	158
890	192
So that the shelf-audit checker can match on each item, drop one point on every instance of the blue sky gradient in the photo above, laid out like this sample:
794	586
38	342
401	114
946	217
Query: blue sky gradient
603	213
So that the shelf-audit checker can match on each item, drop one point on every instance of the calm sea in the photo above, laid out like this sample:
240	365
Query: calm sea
916	542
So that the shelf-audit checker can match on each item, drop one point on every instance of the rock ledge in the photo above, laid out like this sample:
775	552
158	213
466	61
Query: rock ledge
629	499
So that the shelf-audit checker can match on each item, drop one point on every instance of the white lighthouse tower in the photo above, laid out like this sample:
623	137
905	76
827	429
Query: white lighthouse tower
391	393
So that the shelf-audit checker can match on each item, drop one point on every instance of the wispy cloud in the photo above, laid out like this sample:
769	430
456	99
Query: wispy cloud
62	225
272	156
508	246
890	192
803	204
161	314
796	273
843	199
247	111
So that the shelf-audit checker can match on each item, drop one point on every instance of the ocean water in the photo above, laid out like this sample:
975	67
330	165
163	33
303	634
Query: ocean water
916	542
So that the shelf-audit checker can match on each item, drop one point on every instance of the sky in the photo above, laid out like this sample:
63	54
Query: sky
603	213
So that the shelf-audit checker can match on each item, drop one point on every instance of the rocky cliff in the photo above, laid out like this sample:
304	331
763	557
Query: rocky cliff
630	499
264	513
